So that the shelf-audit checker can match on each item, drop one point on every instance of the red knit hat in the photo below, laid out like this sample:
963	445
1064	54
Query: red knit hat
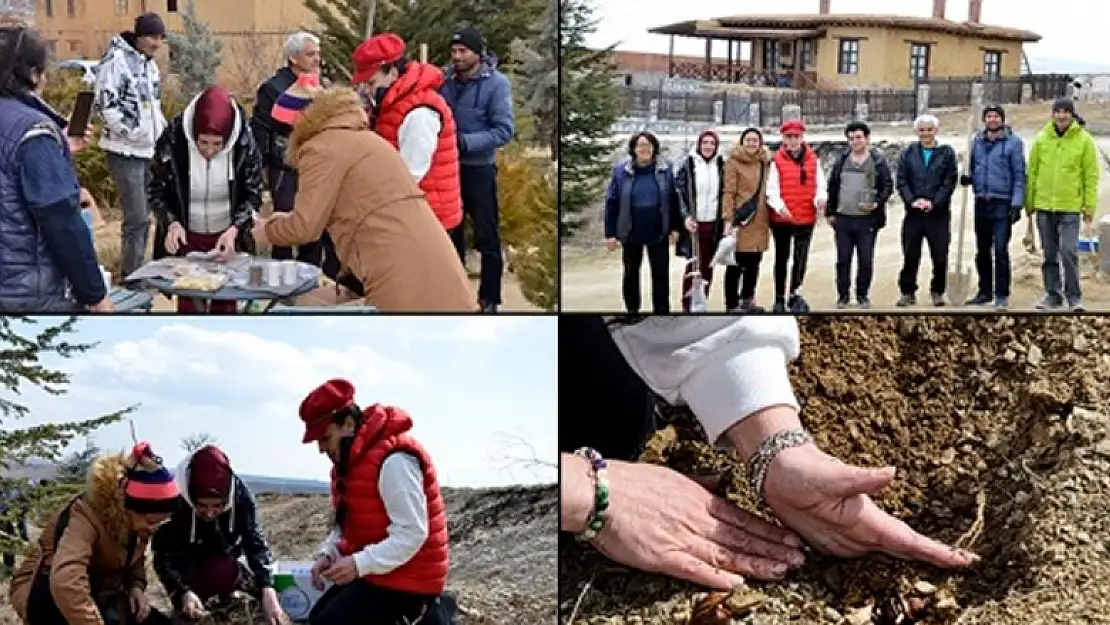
323	402
209	474
375	52
214	113
148	488
793	127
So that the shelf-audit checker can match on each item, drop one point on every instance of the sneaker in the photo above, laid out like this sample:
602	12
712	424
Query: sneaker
938	299
489	308
779	307
842	303
1001	303
1077	305
797	304
864	303
978	300
1049	302
907	300
748	306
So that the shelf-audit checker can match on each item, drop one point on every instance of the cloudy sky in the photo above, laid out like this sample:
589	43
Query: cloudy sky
1070	29
478	388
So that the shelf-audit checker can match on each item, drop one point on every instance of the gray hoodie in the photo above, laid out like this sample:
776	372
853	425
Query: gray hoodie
129	98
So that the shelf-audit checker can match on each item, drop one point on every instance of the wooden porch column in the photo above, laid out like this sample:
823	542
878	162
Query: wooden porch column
797	62
729	65
670	59
709	59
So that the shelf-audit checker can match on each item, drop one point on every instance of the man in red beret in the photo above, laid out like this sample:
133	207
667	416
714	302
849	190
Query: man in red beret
388	554
796	191
198	553
408	112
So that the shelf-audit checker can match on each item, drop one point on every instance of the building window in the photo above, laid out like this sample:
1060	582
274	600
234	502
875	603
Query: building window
49	8
992	64
71	8
770	54
848	60
171	6
807	53
919	61
121	7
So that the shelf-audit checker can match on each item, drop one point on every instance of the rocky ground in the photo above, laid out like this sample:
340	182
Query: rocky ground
502	550
998	427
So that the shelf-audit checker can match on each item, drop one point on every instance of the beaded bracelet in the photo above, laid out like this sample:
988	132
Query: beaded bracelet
601	499
768	449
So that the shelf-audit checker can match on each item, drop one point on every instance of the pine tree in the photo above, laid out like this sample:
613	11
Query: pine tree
194	56
343	26
588	107
21	364
537	87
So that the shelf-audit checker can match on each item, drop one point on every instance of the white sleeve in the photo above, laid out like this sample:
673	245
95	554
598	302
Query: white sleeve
723	368
822	183
401	484
417	139
774	195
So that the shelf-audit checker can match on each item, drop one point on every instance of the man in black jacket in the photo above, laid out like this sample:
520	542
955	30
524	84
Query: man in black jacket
859	186
302	54
197	552
927	178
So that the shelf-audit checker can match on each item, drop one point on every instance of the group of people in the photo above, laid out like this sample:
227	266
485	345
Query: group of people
748	197
386	557
370	182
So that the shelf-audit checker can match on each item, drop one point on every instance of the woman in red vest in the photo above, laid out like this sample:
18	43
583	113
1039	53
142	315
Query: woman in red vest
408	112
796	191
387	555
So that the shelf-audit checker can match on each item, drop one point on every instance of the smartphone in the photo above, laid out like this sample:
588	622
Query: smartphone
82	112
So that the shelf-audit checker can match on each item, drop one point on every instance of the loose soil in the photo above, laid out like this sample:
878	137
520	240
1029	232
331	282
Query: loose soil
1014	410
502	551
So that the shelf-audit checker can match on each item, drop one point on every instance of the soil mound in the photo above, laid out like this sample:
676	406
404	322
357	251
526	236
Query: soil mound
998	428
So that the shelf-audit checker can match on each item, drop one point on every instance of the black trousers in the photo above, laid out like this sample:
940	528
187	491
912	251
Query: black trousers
658	263
479	199
362	602
283	191
43	610
934	229
790	239
855	236
741	278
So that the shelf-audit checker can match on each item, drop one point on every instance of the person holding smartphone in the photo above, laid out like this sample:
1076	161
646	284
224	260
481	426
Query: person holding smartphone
50	262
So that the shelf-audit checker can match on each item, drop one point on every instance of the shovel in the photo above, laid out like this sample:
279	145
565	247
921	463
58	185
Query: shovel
1030	238
699	286
959	280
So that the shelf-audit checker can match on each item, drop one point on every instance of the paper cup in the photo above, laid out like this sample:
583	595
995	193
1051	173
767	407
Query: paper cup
289	273
273	274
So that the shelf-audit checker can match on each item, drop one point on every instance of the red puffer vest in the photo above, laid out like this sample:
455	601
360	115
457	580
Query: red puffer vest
384	431
419	86
798	197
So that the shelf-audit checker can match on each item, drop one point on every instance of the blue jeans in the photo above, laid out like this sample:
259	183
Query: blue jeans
1059	238
131	176
992	246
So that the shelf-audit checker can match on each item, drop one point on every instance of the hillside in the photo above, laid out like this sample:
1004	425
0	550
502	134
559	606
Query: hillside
503	549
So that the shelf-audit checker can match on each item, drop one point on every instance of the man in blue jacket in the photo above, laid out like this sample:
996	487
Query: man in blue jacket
997	177
482	101
47	259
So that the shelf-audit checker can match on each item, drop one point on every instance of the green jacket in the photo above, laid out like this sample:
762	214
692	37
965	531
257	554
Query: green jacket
1063	171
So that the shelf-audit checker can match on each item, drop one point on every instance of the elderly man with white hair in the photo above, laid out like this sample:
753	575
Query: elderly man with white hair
302	56
927	178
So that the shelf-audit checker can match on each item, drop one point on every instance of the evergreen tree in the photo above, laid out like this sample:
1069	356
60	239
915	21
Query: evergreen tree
21	364
588	108
537	87
74	468
194	56
343	26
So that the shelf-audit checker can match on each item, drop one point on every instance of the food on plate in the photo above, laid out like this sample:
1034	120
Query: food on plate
200	282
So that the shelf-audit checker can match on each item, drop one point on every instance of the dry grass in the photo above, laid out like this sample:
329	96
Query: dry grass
1030	117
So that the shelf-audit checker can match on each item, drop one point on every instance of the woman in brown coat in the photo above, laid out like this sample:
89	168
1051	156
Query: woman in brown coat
355	186
89	565
746	179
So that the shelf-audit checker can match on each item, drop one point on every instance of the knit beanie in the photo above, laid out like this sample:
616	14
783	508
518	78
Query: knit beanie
994	108
149	25
1064	104
214	113
209	474
296	99
148	488
471	38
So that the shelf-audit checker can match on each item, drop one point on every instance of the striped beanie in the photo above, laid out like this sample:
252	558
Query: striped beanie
148	488
296	99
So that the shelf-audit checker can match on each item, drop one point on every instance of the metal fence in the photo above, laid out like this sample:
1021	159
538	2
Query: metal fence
764	108
1013	90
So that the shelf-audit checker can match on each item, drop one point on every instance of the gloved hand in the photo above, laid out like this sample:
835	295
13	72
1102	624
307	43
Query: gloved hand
965	180
1015	214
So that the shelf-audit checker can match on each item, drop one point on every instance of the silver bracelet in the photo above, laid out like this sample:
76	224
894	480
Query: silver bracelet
768	449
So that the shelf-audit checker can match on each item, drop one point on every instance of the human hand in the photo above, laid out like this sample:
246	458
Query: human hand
926	205
342	572
919	204
76	144
103	306
175	237
1088	218
832	220
611	244
140	606
225	245
321	564
673	238
258	232
691	225
820	204
661	521
192	606
271	607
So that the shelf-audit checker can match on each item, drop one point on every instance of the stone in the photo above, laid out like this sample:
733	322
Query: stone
859	616
924	588
1035	355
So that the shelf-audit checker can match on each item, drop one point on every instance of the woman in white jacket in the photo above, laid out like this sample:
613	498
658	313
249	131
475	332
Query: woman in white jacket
732	373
